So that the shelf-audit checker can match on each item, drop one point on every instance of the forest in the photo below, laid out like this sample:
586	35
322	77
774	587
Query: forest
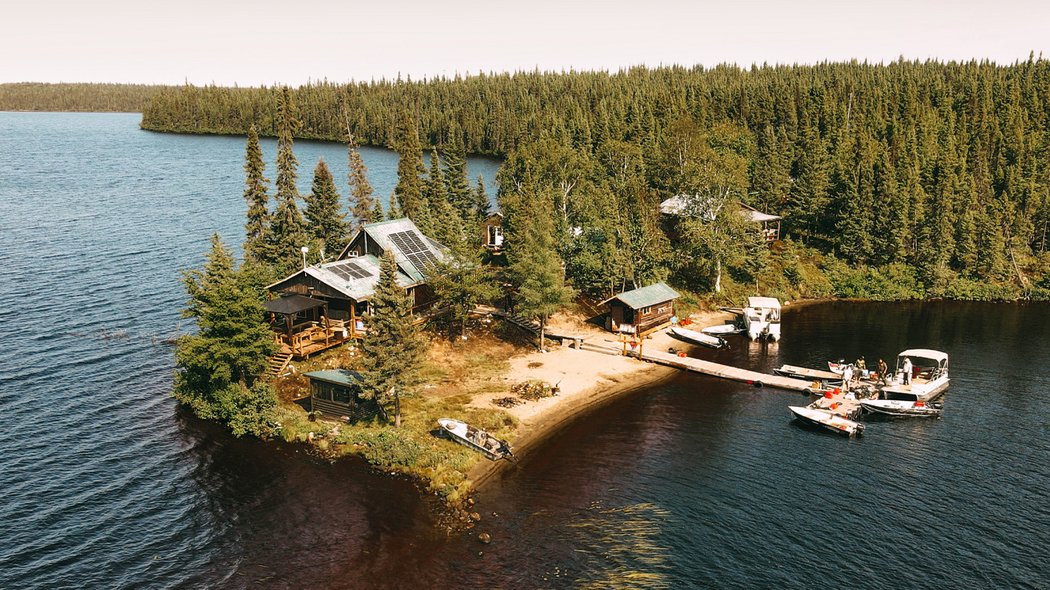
908	179
95	98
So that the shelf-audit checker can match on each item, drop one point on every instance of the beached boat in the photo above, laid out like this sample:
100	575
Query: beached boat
698	337
723	329
926	381
475	438
762	318
896	407
796	372
827	419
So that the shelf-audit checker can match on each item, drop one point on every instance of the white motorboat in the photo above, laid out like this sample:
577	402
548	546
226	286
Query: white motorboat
723	329
762	318
475	438
827	419
698	337
796	372
926	381
896	407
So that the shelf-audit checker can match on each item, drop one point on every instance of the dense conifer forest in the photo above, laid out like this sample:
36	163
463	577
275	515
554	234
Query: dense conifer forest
920	178
97	98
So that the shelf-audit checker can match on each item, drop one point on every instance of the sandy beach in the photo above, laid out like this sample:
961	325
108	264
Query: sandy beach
586	379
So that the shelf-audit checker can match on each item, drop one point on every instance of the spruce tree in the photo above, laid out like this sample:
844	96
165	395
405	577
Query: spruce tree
326	223
535	267
456	185
393	349
362	203
410	170
287	235
462	281
218	368
257	226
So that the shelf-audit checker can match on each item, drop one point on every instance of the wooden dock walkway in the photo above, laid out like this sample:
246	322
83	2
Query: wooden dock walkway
726	372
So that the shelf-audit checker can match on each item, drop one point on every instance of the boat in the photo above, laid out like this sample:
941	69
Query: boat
927	381
762	318
827	419
698	337
723	329
475	438
808	374
896	407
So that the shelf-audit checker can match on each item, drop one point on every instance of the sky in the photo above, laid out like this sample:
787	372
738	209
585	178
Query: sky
256	42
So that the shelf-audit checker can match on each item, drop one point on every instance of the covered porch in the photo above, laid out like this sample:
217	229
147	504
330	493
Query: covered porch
303	326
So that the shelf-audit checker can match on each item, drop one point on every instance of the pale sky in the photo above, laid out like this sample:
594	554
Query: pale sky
252	42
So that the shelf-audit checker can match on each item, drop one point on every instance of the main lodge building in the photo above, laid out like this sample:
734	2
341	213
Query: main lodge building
321	305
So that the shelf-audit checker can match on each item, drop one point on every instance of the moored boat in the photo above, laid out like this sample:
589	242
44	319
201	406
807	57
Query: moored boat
827	419
761	318
921	375
796	372
896	407
475	438
698	337
723	329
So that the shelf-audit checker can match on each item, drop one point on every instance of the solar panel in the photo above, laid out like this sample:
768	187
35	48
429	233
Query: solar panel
348	271
413	247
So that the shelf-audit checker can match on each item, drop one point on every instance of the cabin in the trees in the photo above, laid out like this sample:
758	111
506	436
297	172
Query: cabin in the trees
335	393
321	306
492	233
695	206
641	310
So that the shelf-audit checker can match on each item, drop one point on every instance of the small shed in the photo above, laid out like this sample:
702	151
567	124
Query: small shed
335	393
641	310
492	232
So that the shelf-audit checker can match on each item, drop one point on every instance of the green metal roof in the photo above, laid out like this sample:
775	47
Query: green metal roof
337	376
646	296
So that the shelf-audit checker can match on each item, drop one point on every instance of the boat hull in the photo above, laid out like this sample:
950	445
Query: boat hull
904	409
475	438
828	421
698	338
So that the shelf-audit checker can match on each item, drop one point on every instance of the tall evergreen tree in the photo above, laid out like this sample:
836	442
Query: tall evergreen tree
535	267
326	222
287	235
257	226
219	366
462	282
410	169
362	203
393	349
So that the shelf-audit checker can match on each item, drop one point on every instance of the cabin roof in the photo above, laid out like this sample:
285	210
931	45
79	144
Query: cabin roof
337	376
290	304
412	249
356	277
925	353
683	205
645	296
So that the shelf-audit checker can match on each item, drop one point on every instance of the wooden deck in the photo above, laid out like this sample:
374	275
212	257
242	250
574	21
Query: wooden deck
315	338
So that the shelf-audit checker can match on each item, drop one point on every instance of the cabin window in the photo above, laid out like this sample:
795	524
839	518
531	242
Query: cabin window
341	395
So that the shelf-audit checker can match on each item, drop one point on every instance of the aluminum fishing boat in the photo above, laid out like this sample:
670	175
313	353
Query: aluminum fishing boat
699	337
827	419
475	438
896	407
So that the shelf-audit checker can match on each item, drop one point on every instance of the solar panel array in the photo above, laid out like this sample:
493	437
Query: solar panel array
413	247
348	271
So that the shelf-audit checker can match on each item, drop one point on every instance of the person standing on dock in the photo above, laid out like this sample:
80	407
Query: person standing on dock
847	377
907	371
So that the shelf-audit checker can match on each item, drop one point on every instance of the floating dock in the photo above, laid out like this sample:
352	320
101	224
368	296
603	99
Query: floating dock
726	372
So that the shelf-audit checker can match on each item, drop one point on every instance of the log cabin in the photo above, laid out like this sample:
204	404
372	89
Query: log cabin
641	310
321	306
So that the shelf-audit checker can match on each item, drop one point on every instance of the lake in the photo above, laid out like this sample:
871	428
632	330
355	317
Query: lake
693	482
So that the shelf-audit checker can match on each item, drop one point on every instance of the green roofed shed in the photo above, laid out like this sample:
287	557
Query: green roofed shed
641	310
334	393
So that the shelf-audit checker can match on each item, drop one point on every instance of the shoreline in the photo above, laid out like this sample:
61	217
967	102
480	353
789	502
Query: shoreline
587	380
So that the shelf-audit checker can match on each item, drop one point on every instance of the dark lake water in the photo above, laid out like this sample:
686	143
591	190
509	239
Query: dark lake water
693	482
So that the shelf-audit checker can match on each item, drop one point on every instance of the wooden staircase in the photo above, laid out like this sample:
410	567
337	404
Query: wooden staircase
278	363
524	323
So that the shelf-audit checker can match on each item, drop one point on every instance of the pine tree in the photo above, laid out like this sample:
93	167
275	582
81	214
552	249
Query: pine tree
219	366
535	267
393	349
326	223
362	203
410	170
462	282
257	226
287	233
454	177
377	212
481	203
